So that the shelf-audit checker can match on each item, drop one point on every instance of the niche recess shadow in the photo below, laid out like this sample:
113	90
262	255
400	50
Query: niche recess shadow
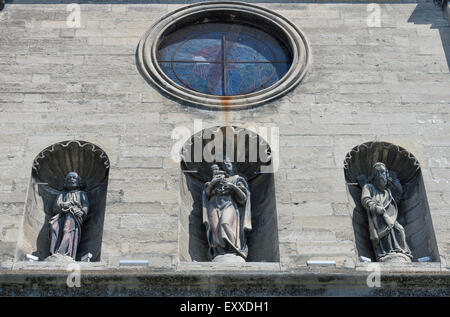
414	212
262	241
47	179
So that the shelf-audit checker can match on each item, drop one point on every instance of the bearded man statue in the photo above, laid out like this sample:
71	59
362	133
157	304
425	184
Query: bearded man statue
380	197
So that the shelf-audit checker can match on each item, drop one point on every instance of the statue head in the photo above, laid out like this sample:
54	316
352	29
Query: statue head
215	168
379	176
72	181
227	165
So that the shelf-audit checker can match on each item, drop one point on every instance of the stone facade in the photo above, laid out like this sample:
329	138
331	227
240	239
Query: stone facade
369	80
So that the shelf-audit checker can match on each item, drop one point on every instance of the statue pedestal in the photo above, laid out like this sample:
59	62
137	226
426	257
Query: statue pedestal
59	258
229	258
395	258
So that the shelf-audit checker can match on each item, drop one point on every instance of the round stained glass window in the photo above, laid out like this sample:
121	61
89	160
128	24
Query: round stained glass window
224	54
223	59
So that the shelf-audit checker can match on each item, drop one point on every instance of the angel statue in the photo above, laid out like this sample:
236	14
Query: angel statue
226	213
380	197
70	209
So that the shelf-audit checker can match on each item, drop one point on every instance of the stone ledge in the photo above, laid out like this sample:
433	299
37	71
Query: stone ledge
144	283
415	267
232	268
229	267
57	266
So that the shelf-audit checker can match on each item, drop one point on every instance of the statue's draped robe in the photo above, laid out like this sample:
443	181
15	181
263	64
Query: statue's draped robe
387	235
227	219
65	230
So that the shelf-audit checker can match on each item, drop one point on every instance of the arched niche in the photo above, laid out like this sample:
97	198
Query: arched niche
47	179
262	240
414	212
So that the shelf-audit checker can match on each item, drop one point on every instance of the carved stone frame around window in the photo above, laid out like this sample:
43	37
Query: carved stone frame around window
224	12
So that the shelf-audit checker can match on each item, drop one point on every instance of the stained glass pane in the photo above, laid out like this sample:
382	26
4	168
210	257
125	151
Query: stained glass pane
244	78
242	47
280	70
167	48
223	59
168	70
202	48
202	77
279	49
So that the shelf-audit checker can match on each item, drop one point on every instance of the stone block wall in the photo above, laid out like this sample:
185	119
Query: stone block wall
385	79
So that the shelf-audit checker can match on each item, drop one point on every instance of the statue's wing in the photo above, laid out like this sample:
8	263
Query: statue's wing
95	186
48	196
205	211
247	208
393	175
204	203
362	180
206	220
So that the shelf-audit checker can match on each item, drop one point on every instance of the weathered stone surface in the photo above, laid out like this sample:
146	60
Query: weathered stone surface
231	282
59	258
366	83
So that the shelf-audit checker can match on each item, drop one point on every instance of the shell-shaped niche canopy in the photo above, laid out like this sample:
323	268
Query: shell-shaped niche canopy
362	157
414	212
247	150
49	170
88	160
253	159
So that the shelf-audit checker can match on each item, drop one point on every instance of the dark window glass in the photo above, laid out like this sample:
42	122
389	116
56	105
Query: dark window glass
223	59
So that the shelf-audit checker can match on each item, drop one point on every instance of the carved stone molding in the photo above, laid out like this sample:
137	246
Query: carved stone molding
251	170
90	161
362	157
